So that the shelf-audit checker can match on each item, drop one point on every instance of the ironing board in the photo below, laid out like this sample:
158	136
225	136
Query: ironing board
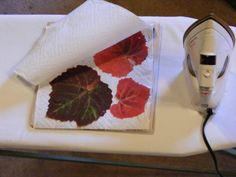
177	125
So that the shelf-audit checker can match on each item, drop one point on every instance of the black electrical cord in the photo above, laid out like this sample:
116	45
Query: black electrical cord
208	116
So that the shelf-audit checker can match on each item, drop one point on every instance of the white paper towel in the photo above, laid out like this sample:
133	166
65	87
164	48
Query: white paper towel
142	74
90	28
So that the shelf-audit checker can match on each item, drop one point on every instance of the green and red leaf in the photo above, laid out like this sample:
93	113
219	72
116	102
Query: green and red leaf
79	95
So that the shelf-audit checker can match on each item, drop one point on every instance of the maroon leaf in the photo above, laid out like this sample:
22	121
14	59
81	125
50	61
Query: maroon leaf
132	99
79	95
120	58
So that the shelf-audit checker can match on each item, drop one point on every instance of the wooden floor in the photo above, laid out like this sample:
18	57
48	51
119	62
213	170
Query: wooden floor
11	167
18	167
194	8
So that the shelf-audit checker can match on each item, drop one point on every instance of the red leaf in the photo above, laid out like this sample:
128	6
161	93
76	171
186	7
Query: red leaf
120	58
132	99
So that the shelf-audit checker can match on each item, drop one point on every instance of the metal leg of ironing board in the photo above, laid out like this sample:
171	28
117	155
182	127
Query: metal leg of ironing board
231	151
78	159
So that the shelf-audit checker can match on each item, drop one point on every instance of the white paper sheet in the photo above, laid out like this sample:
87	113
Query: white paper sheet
143	74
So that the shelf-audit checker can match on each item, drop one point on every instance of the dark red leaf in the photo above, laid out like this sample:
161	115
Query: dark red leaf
120	58
79	95
132	98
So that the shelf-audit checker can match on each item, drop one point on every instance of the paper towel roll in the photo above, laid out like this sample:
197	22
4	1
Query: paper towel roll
90	28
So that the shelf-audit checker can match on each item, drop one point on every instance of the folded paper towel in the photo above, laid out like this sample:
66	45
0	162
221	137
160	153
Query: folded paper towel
94	70
90	28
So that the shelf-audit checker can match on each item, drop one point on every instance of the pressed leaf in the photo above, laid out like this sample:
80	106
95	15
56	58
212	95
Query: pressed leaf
79	95
132	98
120	58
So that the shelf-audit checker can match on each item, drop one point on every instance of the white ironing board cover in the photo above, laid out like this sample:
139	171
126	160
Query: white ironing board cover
177	125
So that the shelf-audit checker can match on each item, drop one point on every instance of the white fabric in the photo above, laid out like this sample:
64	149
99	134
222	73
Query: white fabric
177	125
